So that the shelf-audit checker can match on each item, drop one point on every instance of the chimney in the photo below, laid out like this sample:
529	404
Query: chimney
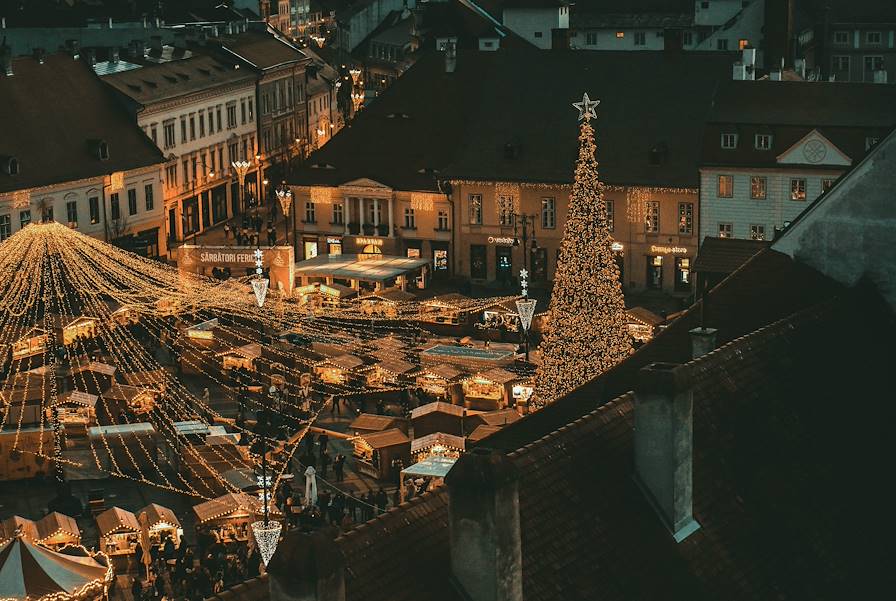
880	76
39	55
703	341
739	72
307	567
114	55
748	57
450	57
155	42
73	47
91	56
6	59
664	444
484	526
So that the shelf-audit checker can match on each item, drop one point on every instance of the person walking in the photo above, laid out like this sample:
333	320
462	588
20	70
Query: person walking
325	461
381	500
339	467
323	440
227	232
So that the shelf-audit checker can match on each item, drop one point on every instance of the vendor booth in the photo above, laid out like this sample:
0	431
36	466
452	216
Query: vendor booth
119	532
385	303
68	330
56	530
94	377
13	524
440	382
490	390
34	342
368	423
479	433
135	399
161	524
389	373
642	323
376	453
75	408
228	517
338	370
437	417
31	572
327	296
425	475
447	309
241	357
499	418
500	320
204	331
437	444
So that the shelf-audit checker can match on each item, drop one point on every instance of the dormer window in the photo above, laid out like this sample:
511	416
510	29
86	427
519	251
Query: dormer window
763	142
10	165
870	141
99	149
729	141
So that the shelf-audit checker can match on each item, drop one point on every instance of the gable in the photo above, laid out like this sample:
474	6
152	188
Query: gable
365	185
814	149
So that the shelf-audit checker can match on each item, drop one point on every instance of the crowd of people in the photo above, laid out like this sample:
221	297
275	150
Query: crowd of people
250	230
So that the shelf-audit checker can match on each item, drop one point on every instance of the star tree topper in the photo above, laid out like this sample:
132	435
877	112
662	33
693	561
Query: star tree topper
587	108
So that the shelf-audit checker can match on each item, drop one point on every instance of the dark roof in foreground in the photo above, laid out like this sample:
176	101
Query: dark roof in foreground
52	112
433	125
725	255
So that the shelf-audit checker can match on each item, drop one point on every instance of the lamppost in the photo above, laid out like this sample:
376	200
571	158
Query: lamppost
525	221
242	168
284	195
525	307
267	532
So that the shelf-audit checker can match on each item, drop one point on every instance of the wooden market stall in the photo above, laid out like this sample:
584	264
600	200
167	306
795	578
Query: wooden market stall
437	444
132	443
17	524
368	423
338	370
441	382
500	320
94	377
499	419
56	531
437	417
389	373
204	331
119	532
241	357
161	524
68	330
445	309
76	410
327	296
489	390
425	475
479	433
137	400
642	323
385	303
376	453
34	341
227	518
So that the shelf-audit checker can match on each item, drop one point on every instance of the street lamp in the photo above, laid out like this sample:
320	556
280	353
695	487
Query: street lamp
284	195
242	168
267	532
525	307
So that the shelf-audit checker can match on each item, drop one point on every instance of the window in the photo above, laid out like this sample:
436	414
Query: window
309	213
231	115
685	218
192	127
243	111
233	152
5	227
183	130
721	44
538	34
410	220
251	110
798	189
762	142
147	193
489	44
211	119
611	214
132	201
725	230
826	184
171	175
620	35
640	38
113	202
870	141
218	117
652	217
505	210
687	38
443	220
841	38
655	272
729	141
154	134
742	43
548	213
682	274
94	206
872	38
168	128
757	232
476	209
24	217
338	217
591	38
71	212
758	188
726	186
874	63
840	63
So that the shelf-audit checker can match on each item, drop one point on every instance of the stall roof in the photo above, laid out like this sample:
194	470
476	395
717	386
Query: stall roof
205	326
55	522
437	438
386	438
326	349
395	366
393	295
644	316
191	427
64	321
498	376
116	520
446	372
157	514
95	366
431	467
501	417
370	268
149	377
437	406
445	300
30	571
123	392
119	429
226	504
77	397
345	361
372	422
247	351
9	526
22	395
481	432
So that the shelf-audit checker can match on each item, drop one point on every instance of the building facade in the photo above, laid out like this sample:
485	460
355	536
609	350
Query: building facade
853	50
201	113
761	168
536	20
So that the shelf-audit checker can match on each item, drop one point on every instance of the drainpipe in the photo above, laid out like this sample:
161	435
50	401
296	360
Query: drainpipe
453	223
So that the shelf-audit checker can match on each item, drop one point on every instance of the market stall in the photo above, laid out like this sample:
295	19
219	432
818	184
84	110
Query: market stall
204	331
389	373
445	309
228	517
375	453
68	330
137	441
34	342
17	524
161	524
241	357
368	423
385	303
56	531
642	323
30	572
324	295
499	418
500	320
134	399
119	532
75	409
440	382
337	370
479	433
437	417
437	444
94	377
490	390
424	475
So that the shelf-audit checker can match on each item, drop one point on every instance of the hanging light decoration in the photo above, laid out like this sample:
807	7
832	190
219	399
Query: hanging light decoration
285	197
259	284
267	535
525	307
636	205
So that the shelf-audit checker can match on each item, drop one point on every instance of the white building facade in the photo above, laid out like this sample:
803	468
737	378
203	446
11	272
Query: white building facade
536	21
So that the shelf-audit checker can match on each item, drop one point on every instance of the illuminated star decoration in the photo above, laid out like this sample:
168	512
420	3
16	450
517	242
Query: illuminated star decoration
587	108
524	282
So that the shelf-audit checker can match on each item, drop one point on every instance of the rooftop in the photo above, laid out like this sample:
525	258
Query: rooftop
370	268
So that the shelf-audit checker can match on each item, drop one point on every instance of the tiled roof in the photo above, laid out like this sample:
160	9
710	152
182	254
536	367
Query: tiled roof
54	141
474	116
385	438
725	255
262	50
374	423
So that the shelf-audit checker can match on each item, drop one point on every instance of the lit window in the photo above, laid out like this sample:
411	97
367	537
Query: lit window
725	230
505	210
874	63
827	184
758	188
798	189
620	34
763	142
652	217
476	209
757	232
337	214
685	218
5	227
611	215
443	221
742	43
726	186
25	216
548	213
729	141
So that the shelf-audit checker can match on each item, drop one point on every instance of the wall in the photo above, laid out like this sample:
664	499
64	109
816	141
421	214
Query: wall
717	12
748	26
606	39
526	21
362	23
857	49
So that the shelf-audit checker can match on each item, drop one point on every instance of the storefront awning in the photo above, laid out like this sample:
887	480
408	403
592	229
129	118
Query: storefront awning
368	268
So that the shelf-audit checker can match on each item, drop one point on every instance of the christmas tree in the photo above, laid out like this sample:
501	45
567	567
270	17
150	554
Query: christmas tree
586	332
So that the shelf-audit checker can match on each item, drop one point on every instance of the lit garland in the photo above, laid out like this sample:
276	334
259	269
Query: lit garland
587	331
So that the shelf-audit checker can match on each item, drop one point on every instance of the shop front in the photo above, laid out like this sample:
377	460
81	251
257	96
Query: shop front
668	268
219	203
334	245
440	259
